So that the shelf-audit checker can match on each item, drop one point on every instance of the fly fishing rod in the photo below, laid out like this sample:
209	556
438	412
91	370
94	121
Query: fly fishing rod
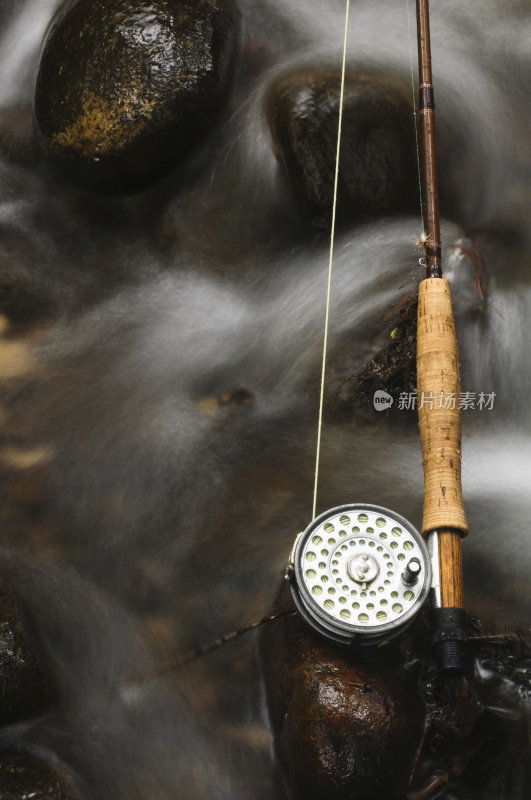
444	518
359	574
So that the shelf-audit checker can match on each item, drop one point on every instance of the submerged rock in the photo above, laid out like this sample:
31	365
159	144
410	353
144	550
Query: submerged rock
125	87
26	690
21	777
377	170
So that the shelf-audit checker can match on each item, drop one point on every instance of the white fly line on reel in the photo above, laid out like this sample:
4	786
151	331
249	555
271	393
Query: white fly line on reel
359	573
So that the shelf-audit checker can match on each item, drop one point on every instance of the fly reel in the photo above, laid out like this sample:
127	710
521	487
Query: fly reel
359	574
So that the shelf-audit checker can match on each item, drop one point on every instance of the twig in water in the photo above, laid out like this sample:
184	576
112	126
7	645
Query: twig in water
206	648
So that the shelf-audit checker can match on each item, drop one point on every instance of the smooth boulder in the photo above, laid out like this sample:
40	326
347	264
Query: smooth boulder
377	169
346	724
126	87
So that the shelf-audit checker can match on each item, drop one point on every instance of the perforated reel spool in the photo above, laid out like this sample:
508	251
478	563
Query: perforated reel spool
359	574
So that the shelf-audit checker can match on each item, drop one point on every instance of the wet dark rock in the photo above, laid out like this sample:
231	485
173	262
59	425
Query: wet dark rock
125	87
26	689
351	383
378	163
346	724
21	777
394	368
380	723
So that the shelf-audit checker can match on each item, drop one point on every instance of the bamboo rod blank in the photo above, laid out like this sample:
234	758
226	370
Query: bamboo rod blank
430	195
438	391
438	403
451	581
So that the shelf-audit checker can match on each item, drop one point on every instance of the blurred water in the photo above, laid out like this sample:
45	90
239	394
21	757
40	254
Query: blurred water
24	24
144	515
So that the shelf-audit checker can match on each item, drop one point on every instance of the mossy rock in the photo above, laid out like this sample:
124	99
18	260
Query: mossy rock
378	164
22	777
126	87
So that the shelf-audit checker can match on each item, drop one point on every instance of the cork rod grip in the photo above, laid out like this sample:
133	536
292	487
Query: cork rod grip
439	414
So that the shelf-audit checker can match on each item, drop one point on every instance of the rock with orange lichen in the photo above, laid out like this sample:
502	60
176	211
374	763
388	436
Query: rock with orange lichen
125	87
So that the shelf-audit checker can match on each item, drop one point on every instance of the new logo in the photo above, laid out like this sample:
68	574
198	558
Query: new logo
382	400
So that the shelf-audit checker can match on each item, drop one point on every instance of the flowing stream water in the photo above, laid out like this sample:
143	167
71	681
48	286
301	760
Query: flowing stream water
162	517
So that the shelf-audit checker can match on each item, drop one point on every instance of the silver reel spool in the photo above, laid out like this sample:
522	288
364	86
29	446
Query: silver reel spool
359	574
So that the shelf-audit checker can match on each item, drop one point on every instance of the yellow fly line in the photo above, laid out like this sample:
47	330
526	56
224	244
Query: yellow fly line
333	228
330	262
